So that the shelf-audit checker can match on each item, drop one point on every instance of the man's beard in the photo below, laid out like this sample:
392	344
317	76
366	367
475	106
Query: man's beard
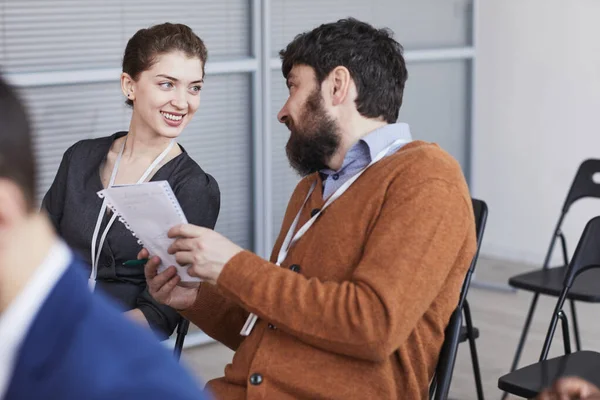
312	144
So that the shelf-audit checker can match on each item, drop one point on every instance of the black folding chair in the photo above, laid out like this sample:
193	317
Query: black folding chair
182	329
548	280
456	333
529	381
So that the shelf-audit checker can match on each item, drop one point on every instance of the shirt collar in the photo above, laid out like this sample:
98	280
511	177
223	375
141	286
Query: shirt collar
16	320
380	138
370	145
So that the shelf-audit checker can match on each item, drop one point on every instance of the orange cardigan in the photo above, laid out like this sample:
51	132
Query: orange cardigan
362	312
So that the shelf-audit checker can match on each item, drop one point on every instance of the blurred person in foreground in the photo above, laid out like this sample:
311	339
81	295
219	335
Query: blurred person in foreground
57	341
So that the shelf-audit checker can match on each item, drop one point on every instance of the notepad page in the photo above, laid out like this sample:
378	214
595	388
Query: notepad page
149	210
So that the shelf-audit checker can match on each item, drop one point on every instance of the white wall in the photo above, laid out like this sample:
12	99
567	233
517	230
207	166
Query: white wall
537	116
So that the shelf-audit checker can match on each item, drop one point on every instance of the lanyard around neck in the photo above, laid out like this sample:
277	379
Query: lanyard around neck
290	238
96	254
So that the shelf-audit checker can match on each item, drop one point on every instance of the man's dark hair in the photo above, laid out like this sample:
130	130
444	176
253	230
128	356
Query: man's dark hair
16	155
372	56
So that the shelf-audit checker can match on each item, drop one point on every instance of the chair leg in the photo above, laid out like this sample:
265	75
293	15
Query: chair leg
182	329
575	326
473	348
432	387
526	326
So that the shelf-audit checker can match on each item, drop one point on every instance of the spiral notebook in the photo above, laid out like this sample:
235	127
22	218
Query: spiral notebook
149	210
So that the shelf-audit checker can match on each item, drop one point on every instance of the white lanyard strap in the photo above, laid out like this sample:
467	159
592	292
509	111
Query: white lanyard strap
96	255
290	238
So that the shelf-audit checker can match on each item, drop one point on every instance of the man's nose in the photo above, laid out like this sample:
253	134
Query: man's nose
282	115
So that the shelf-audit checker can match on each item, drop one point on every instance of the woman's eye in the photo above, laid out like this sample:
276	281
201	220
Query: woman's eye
166	85
196	89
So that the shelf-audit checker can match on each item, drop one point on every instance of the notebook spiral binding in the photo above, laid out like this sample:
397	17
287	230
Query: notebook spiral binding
168	191
120	218
173	199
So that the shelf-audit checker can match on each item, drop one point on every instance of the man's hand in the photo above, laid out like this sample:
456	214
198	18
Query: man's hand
203	249
571	388
163	287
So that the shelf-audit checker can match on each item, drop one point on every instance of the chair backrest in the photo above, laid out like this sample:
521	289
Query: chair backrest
583	185
587	253
443	372
480	211
586	256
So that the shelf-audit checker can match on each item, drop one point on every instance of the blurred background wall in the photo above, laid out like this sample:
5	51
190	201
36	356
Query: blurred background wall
537	117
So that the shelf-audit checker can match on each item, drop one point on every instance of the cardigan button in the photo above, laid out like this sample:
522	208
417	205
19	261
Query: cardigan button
272	327
295	268
256	379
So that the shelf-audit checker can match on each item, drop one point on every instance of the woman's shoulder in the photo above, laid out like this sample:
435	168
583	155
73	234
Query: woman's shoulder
190	175
89	147
197	191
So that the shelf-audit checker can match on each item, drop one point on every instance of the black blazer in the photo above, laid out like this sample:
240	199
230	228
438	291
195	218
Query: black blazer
73	205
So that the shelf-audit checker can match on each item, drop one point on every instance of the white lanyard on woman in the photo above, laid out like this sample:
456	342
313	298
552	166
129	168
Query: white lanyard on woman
291	239
96	257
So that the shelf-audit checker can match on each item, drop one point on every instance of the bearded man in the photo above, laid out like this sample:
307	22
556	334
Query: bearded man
373	250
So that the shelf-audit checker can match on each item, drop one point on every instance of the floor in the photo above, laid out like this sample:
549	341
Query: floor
498	314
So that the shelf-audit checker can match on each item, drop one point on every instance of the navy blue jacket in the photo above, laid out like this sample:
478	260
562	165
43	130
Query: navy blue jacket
81	347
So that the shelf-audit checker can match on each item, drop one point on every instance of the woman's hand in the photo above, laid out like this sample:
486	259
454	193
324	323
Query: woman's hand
163	287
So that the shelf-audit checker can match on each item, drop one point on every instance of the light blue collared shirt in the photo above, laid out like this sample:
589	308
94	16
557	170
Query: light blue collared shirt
362	153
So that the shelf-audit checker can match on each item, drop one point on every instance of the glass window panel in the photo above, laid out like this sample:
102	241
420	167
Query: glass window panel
436	105
417	24
70	35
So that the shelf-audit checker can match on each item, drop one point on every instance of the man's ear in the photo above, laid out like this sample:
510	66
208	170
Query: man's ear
13	206
340	83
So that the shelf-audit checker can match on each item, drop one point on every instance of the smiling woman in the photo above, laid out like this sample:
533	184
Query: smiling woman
163	74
